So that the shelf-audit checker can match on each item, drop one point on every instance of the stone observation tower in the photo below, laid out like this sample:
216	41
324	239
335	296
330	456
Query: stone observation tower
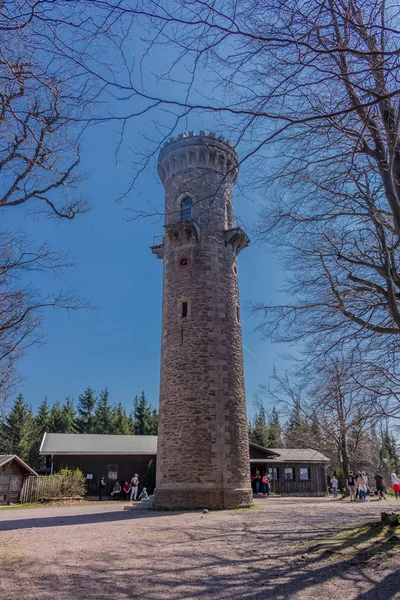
203	451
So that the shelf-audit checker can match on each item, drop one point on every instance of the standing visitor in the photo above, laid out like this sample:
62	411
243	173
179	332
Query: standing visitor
126	489
257	481
135	486
396	485
265	483
351	486
334	486
102	487
362	485
380	485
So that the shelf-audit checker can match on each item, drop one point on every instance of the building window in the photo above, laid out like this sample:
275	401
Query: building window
273	473
183	262
238	313
186	208
304	474
289	474
184	310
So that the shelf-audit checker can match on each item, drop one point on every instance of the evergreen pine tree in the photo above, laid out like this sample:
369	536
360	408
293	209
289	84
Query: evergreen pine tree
104	417
274	430
297	431
19	431
155	422
85	421
42	417
389	452
295	420
143	414
259	429
56	419
67	423
42	426
120	421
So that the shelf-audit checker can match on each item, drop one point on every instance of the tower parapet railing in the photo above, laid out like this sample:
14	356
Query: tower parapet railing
239	224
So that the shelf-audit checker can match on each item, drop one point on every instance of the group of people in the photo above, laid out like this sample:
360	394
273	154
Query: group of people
260	483
127	491
359	486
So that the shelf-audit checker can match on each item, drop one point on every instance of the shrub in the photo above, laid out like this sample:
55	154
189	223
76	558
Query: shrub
72	482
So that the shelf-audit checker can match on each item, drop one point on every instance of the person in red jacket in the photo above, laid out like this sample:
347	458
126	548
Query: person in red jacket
126	488
265	484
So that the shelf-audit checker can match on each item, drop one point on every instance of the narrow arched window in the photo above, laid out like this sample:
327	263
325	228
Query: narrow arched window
186	208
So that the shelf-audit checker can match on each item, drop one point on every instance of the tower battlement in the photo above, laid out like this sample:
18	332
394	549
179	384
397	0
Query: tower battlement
201	152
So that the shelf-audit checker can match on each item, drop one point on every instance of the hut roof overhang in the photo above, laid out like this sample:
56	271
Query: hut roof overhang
97	444
8	458
294	455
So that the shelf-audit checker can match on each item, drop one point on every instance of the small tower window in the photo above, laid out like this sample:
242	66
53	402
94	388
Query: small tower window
184	309
186	208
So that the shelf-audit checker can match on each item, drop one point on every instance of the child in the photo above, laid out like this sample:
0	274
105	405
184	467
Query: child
144	494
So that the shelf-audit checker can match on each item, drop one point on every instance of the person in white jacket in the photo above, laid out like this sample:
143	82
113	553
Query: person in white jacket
396	485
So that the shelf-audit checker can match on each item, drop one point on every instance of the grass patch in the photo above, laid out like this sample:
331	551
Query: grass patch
360	544
251	507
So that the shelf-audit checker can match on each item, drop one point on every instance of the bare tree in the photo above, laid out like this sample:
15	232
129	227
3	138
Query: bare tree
40	102
21	305
310	92
331	412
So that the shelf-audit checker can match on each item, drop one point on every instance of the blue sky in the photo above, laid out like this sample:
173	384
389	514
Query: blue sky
118	344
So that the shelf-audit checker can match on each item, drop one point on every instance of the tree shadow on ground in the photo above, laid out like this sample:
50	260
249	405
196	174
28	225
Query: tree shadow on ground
174	563
80	519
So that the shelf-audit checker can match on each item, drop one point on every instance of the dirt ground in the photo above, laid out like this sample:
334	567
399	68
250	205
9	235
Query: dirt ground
109	551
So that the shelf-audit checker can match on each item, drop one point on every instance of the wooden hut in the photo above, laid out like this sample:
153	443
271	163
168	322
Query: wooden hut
13	472
292	471
116	457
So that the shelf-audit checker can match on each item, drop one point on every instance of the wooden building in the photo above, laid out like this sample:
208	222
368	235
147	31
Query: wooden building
117	457
13	472
292	471
297	472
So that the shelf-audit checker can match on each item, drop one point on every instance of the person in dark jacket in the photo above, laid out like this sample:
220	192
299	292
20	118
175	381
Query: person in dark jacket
351	486
380	485
257	481
102	487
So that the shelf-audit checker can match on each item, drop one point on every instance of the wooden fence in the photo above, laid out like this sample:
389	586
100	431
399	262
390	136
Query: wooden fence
40	488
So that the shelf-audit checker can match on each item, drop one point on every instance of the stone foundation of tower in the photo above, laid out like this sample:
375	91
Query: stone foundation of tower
202	498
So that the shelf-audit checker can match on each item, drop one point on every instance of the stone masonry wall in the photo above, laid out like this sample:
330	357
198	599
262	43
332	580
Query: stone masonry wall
203	452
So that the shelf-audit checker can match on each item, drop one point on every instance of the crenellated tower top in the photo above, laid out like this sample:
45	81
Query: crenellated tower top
204	152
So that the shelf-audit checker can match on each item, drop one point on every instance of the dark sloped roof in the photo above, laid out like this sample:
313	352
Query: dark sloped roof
267	451
6	458
300	455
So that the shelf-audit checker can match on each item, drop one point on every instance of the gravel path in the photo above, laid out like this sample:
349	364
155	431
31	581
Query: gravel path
109	551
